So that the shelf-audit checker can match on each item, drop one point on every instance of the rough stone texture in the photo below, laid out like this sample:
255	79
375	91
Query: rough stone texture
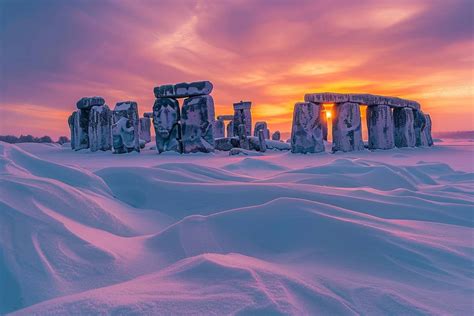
367	99
242	115
277	145
380	127
145	126
148	114
276	135
261	141
427	131
346	127
324	124
226	143
100	128
183	90
197	124
404	128
306	132
230	129
166	116
89	102
79	125
419	122
261	126
243	138
219	129
125	129
225	117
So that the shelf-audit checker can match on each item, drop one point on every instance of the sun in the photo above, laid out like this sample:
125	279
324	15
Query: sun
328	114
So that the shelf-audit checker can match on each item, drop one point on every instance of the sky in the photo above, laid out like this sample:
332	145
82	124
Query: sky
270	52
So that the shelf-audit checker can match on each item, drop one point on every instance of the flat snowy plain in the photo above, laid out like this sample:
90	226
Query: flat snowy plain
374	233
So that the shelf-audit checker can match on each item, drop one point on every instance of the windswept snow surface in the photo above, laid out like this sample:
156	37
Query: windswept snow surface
383	232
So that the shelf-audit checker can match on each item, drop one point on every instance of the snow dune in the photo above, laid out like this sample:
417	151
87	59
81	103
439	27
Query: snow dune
387	232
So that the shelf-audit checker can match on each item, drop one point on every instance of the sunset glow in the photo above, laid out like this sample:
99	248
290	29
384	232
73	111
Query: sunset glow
269	52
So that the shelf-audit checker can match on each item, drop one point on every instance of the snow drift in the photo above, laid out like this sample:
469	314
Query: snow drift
278	233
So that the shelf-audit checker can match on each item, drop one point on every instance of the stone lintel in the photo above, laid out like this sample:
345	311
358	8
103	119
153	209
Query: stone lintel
367	99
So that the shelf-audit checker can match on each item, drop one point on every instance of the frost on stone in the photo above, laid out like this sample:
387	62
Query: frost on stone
230	129
197	124
145	125
419	122
242	115
261	141
276	135
100	122
360	98
166	116
79	125
306	132
219	129
380	127
261	126
184	89
125	128
89	102
403	120
347	128
428	139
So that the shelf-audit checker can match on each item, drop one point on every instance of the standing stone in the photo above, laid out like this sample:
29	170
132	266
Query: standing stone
404	129
261	141
306	132
197	124
347	128
380	127
242	115
324	124
166	117
419	123
230	129
261	126
125	129
427	131
145	125
100	124
276	135
148	114
79	133
70	122
243	138
219	129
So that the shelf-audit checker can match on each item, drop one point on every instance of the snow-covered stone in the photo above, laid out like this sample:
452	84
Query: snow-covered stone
261	141
277	145
219	129
89	102
242	115
100	128
243	138
230	129
380	127
243	152
79	126
276	135
261	126
125	129
166	116
419	122
184	89
346	127
145	126
197	124
427	131
226	143
367	99
404	129
306	132
324	124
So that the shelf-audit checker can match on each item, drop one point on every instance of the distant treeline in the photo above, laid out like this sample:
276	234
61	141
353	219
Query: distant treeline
31	139
455	135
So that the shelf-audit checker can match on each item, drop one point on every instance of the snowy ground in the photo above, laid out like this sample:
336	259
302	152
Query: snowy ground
385	232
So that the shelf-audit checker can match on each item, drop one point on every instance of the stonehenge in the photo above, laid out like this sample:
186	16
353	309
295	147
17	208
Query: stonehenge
306	133
192	126
125	129
242	115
